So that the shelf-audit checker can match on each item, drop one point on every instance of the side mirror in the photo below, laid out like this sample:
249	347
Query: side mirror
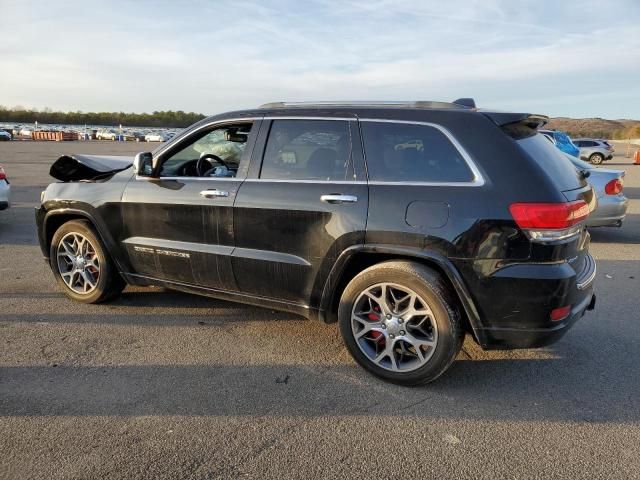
143	164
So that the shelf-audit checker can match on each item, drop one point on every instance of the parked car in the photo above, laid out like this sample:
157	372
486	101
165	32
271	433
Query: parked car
594	151
562	141
25	132
409	224
107	134
137	136
4	135
608	185
5	190
156	137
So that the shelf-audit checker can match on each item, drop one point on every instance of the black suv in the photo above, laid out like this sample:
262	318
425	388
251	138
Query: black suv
409	224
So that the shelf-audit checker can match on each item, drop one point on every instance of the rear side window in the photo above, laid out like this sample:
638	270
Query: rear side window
403	152
308	150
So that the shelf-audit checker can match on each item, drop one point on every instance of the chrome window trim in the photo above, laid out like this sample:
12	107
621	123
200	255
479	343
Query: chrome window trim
328	182
478	179
293	117
138	177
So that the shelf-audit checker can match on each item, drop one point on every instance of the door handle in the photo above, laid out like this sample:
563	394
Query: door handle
339	198
213	193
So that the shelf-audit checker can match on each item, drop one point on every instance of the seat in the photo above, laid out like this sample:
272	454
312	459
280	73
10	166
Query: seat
322	164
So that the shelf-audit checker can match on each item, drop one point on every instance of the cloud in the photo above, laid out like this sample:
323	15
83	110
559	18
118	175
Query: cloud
213	57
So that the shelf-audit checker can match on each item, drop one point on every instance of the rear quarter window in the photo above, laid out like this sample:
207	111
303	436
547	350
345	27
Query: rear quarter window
404	152
559	169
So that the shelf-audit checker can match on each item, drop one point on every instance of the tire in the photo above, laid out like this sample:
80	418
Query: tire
443	328
96	264
596	158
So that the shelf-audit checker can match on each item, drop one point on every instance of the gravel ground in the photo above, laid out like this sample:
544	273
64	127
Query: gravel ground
168	385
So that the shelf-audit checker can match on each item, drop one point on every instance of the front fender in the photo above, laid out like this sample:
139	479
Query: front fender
50	216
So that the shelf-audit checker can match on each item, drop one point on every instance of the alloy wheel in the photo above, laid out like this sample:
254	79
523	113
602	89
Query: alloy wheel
394	327
78	263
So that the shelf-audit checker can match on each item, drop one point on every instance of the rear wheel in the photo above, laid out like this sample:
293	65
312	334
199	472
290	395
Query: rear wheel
81	265
400	322
596	158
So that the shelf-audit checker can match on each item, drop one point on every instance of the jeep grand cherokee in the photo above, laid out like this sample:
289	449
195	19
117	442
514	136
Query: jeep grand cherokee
409	224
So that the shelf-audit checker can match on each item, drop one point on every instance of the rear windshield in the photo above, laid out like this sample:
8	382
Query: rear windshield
552	160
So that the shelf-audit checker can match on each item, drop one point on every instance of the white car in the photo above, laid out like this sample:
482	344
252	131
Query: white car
156	137
5	190
106	134
25	132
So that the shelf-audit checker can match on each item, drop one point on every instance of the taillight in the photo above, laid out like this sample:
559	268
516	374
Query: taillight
614	187
561	313
544	222
3	176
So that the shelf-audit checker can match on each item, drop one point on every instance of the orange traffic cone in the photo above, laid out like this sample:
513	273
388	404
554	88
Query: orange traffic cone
636	157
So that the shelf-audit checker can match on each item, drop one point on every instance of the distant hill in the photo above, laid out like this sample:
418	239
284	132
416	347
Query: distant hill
596	127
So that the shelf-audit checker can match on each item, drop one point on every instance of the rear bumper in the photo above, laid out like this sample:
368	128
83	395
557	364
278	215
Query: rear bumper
611	211
5	193
515	302
512	338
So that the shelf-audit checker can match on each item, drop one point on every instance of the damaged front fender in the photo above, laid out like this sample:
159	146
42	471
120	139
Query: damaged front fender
74	168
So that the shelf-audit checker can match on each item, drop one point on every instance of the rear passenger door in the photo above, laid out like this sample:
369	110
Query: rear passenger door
304	202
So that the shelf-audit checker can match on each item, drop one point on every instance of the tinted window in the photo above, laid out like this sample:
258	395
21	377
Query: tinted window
398	152
552	161
308	150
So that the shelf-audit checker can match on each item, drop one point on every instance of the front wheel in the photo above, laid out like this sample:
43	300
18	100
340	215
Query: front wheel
81	264
596	158
400	321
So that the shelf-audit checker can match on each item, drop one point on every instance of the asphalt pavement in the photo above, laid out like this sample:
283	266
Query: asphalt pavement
160	384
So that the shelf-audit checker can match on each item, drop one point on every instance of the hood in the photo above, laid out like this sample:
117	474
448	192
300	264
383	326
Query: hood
73	168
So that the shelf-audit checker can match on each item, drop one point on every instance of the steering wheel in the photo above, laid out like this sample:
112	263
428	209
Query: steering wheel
207	158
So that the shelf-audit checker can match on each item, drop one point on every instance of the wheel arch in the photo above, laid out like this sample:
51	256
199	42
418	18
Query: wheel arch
54	219
356	259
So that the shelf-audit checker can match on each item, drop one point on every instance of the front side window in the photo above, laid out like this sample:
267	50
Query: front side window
308	150
214	153
399	152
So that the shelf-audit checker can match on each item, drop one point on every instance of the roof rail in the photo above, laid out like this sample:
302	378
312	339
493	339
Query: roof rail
394	104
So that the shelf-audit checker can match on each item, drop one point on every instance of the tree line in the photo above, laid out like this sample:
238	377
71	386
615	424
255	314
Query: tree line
164	119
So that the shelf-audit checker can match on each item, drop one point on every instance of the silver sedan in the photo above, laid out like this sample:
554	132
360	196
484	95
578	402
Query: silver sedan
608	185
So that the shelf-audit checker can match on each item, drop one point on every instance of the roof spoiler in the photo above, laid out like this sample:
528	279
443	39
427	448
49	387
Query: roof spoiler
527	119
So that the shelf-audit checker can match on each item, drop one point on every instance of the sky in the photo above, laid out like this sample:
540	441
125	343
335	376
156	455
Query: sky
575	58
